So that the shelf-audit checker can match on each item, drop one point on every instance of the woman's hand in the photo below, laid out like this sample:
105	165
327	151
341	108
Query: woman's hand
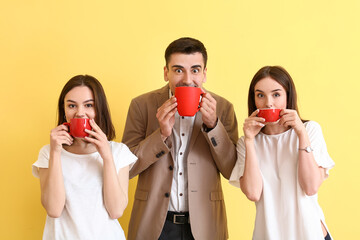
58	137
253	125
99	139
290	118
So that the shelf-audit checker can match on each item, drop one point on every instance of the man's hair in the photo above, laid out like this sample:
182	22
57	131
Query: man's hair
185	45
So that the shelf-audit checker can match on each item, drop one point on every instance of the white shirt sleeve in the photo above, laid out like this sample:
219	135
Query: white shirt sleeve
239	167
43	160
122	155
318	144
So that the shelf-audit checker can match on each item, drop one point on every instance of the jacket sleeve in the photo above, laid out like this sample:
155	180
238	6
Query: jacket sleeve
148	147
222	140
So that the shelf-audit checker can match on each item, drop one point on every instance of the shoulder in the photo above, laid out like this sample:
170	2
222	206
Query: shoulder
116	145
151	95
219	99
312	125
45	149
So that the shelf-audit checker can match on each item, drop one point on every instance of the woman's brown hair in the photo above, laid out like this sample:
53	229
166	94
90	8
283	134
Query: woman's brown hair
102	112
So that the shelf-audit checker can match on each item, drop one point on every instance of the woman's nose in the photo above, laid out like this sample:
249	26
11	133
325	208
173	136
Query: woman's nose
269	103
80	113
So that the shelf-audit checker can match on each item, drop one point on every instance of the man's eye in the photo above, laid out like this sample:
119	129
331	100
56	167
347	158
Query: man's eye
178	71
196	70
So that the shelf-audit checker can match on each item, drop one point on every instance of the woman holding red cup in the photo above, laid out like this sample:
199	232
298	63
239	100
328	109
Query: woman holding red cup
281	162
83	176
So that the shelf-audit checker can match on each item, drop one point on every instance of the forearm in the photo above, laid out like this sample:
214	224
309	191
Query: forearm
52	187
148	151
309	173
251	182
222	149
115	196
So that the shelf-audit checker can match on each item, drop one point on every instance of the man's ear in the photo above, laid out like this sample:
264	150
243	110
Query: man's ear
204	80
165	74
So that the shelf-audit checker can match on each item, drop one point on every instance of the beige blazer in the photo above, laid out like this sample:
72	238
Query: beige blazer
209	154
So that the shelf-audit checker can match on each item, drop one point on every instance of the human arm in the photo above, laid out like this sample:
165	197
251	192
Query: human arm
223	136
115	188
51	178
310	174
143	136
251	181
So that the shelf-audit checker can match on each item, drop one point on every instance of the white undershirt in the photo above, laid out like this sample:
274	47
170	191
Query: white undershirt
182	131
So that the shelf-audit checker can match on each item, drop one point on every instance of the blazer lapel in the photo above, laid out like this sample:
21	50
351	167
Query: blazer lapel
163	95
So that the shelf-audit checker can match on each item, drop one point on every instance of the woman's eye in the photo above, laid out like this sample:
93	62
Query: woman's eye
276	95
89	105
260	95
71	105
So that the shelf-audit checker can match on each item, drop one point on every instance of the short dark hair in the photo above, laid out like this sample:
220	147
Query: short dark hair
102	112
280	75
185	45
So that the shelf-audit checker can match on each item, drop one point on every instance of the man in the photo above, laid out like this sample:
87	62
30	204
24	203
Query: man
179	194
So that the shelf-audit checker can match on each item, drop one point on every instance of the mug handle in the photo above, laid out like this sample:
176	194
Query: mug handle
68	125
201	94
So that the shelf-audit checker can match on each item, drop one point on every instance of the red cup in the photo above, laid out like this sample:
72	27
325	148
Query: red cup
270	114
77	127
188	99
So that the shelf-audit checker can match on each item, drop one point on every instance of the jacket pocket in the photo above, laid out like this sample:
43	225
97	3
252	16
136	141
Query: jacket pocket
216	196
141	195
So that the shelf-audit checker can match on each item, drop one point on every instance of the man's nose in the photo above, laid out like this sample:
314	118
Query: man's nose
187	80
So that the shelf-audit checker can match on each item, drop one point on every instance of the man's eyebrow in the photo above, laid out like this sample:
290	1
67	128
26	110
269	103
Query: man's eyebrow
177	66
196	66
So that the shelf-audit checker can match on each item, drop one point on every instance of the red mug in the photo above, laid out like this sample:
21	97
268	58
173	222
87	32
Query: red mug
188	99
77	127
270	114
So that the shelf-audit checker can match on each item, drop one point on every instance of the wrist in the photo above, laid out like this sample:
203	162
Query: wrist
249	139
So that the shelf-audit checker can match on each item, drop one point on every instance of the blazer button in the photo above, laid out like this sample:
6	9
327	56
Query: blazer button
170	168
213	141
167	194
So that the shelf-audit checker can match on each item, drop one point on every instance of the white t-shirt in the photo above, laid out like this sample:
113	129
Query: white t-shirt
84	215
284	211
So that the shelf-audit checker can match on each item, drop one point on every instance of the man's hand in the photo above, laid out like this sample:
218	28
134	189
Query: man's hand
208	110
166	117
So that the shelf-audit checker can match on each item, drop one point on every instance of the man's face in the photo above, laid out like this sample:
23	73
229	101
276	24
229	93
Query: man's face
185	70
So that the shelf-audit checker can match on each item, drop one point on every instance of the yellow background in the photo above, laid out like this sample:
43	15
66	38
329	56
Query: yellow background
122	43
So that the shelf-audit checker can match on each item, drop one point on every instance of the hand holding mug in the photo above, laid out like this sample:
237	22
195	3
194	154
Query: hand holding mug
99	139
208	110
58	137
166	117
290	118
252	125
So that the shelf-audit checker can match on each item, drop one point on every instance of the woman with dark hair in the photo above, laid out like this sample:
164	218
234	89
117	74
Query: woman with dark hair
281	165
84	181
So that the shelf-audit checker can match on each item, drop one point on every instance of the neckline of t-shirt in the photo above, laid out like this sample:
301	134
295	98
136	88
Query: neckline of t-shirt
276	135
80	155
283	133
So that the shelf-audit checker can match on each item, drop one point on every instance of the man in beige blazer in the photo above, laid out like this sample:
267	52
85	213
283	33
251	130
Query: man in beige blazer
179	193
